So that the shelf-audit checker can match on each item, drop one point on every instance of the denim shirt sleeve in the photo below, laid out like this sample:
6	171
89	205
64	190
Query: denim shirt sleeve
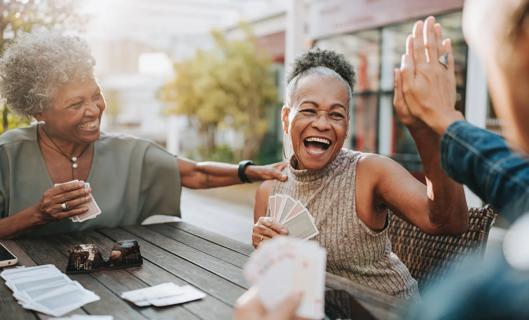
483	161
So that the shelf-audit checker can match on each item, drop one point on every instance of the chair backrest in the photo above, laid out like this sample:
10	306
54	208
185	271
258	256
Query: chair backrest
428	256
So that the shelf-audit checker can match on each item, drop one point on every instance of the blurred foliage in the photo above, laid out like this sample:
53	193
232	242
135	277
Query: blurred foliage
228	86
26	15
222	153
113	105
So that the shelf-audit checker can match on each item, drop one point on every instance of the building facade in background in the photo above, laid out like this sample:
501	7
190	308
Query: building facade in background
372	35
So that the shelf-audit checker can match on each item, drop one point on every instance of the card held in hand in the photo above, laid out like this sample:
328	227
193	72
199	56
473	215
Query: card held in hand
287	265
293	215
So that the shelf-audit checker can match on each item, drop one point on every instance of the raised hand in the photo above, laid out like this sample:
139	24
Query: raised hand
425	86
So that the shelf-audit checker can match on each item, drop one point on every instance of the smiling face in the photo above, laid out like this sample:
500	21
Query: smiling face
75	113
318	119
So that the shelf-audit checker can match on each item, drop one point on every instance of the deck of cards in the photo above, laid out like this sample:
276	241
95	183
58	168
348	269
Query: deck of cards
46	289
164	294
293	215
284	265
93	208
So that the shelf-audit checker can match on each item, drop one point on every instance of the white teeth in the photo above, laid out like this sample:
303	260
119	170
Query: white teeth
89	125
317	139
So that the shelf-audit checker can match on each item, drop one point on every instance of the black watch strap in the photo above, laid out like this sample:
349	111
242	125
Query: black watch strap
242	168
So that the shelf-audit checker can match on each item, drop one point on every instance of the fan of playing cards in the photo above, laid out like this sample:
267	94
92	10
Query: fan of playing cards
293	215
46	289
285	265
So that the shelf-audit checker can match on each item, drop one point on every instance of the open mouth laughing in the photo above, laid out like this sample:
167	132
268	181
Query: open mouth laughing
90	126
316	145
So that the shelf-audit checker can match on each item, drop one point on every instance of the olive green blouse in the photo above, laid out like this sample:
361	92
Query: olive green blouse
131	179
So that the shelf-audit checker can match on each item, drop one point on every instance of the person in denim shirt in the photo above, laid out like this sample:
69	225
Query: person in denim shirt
495	168
483	161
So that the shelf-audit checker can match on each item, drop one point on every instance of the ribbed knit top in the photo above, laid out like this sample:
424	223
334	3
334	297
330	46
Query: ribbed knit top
353	250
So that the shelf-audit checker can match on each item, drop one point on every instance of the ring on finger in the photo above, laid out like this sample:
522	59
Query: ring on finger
64	206
443	60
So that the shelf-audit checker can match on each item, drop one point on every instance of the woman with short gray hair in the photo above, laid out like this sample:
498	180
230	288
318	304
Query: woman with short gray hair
50	171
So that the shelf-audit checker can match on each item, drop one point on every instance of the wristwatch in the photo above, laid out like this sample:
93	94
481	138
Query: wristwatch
242	168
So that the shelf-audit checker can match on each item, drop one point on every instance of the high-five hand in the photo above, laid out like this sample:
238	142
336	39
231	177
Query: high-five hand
425	87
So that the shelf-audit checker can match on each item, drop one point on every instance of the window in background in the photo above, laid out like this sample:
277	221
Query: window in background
374	54
362	50
398	142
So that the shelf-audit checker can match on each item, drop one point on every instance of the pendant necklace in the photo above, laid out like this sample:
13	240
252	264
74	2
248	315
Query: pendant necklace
74	160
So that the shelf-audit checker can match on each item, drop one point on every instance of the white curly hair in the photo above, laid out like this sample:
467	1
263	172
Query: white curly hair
36	64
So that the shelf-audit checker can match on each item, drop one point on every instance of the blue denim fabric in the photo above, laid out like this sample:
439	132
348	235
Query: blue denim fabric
490	290
483	161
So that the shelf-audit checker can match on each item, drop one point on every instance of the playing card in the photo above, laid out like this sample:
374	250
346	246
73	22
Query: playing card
188	294
280	206
37	281
301	226
31	294
296	209
23	272
154	292
269	208
93	209
286	265
46	289
275	204
287	207
162	295
62	300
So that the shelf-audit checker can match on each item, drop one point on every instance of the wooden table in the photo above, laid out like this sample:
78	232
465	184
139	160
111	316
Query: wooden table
173	252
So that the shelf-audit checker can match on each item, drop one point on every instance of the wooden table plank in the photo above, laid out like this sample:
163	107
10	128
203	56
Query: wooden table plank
234	245
203	279
43	252
211	248
206	308
202	259
118	281
25	260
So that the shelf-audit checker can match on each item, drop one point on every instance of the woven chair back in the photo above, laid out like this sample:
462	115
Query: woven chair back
428	256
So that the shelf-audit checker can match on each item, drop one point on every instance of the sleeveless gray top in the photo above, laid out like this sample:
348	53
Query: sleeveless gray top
353	250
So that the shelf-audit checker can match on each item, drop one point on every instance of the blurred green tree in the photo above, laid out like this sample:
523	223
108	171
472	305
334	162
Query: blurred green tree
25	15
228	86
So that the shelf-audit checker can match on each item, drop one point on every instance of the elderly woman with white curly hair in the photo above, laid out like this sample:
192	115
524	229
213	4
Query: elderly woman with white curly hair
49	77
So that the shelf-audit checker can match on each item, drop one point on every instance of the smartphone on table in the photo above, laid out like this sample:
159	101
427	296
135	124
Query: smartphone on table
6	257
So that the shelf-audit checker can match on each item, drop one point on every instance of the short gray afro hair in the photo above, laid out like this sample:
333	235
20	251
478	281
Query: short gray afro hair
324	63
36	64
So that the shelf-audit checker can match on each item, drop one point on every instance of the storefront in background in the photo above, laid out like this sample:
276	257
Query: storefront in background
372	35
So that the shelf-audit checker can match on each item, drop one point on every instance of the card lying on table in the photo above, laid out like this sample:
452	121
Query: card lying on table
291	213
284	265
164	294
46	289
